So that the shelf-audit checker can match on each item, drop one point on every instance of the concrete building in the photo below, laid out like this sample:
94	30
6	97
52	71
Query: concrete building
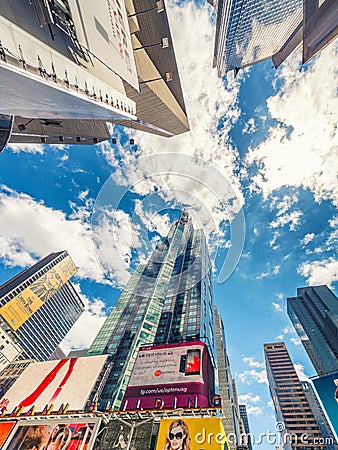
314	314
292	407
67	68
39	306
234	424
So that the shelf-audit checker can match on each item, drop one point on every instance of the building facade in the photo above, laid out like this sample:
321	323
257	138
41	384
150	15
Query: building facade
233	422
321	419
244	417
11	373
314	314
249	31
292	407
111	61
40	305
168	300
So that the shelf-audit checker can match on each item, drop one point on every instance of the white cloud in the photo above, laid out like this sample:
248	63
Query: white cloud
320	272
299	368
295	341
306	154
249	398
115	236
307	238
253	376
152	220
82	195
292	219
207	102
87	326
250	127
254	410
251	361
29	230
277	307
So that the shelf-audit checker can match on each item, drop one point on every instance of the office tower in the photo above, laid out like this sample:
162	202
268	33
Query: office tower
321	419
233	423
40	305
249	31
11	373
9	349
244	417
68	67
314	315
291	405
168	300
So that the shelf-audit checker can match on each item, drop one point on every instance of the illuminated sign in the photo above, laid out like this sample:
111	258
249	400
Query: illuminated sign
5	429
52	435
168	377
193	434
21	307
47	387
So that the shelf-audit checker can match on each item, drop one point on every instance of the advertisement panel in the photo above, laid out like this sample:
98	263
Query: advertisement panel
21	307
51	435
168	377
102	28
192	434
58	383
5	429
327	389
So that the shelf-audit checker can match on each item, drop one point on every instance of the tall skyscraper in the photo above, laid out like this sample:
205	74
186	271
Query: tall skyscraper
249	31
321	419
234	424
293	410
314	314
68	67
168	300
40	305
244	417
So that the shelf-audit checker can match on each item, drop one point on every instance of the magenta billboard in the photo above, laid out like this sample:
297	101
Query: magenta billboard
170	376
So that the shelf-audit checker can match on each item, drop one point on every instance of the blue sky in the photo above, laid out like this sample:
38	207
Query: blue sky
266	143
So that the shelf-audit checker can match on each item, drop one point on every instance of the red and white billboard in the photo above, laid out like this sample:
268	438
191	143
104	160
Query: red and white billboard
5	429
58	383
51	435
169	376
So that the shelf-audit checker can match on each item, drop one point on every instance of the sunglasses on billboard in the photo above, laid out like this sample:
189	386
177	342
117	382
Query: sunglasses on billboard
178	435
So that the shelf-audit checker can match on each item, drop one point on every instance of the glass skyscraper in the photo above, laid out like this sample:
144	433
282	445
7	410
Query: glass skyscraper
248	31
40	305
314	314
167	300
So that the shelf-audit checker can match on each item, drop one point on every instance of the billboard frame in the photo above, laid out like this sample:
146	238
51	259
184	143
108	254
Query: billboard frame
56	420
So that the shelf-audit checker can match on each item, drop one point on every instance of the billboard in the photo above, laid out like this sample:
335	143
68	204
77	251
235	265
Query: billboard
166	434
51	435
21	307
102	28
193	434
5	429
168	377
57	383
327	389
